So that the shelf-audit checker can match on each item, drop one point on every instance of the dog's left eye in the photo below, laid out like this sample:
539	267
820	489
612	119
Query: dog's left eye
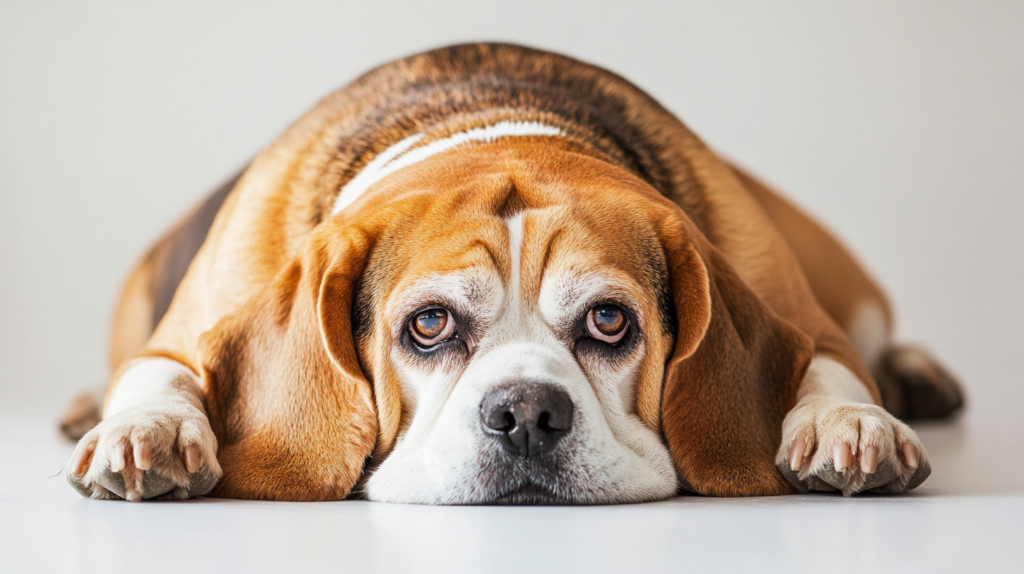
607	323
432	326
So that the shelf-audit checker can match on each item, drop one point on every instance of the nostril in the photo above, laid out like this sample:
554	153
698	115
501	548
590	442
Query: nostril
510	423
553	421
544	422
501	420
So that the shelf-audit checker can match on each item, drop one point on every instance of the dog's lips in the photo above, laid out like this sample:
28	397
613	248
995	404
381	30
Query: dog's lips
531	493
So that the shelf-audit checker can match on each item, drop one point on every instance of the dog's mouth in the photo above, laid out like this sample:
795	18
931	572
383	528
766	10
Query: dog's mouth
531	493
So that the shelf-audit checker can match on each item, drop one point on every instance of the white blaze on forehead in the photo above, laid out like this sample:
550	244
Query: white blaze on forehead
516	237
399	155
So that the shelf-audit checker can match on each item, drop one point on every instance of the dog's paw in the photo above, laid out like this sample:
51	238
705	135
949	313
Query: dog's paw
914	385
164	451
81	415
851	448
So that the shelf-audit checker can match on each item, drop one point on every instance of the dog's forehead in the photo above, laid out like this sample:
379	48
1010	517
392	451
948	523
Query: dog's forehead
468	214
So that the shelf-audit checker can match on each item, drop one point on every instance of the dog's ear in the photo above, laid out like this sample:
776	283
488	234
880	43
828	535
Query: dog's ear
731	377
292	411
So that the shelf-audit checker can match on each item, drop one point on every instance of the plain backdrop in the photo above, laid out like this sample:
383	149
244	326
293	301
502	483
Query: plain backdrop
900	124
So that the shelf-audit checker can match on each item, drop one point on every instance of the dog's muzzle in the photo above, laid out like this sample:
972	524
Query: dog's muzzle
527	418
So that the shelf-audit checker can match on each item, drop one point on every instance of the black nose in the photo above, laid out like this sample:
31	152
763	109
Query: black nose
528	418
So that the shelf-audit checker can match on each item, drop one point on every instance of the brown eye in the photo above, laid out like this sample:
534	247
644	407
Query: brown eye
607	323
432	326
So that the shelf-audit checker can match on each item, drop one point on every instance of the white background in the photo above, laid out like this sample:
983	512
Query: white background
900	124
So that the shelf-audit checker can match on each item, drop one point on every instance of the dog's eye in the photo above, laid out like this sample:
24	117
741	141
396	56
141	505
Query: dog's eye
432	326
607	323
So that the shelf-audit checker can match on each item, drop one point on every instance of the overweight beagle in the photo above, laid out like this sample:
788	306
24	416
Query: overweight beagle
491	274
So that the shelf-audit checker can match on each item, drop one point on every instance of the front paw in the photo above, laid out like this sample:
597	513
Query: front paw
163	451
851	448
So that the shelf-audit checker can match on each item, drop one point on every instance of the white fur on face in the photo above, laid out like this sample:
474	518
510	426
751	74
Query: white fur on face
445	457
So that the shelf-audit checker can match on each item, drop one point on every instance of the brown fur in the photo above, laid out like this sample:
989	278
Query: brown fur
283	311
840	283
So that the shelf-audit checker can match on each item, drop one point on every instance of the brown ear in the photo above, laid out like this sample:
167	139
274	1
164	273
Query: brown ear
732	377
292	411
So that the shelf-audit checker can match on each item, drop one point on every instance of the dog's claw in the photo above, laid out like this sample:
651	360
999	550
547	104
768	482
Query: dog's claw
869	459
841	457
143	455
796	454
80	461
193	458
117	457
910	455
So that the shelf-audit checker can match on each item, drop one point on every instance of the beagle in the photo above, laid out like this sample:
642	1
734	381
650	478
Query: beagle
491	274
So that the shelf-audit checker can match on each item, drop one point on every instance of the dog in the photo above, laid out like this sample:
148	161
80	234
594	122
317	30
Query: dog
488	274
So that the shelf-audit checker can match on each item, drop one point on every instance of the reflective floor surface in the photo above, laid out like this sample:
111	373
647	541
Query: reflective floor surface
968	517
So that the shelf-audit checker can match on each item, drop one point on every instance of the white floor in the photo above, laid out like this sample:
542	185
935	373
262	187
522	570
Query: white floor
968	517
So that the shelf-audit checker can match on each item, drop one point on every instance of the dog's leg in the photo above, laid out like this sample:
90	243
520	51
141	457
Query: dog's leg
836	439
837	436
144	300
155	440
913	384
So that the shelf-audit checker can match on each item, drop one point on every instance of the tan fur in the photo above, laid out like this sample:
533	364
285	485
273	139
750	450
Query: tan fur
839	282
133	317
299	386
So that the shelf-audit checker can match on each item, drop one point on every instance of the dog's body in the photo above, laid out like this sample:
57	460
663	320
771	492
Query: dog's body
643	316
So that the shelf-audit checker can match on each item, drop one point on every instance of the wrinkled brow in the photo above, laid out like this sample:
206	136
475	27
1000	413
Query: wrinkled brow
471	291
566	294
383	286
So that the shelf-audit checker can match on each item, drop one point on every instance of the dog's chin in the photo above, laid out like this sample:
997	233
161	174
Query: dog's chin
530	494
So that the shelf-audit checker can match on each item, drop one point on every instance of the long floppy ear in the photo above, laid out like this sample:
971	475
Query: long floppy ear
732	377
292	411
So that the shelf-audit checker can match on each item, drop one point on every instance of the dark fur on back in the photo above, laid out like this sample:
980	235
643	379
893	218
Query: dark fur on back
182	248
450	89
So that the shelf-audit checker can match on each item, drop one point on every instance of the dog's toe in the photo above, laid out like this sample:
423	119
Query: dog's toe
77	483
202	483
155	485
147	454
851	448
885	473
810	484
887	482
112	481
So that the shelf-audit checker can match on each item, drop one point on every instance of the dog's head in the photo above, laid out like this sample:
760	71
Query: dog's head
508	323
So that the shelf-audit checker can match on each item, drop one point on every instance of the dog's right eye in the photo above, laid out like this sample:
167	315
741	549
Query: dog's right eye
607	323
432	326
